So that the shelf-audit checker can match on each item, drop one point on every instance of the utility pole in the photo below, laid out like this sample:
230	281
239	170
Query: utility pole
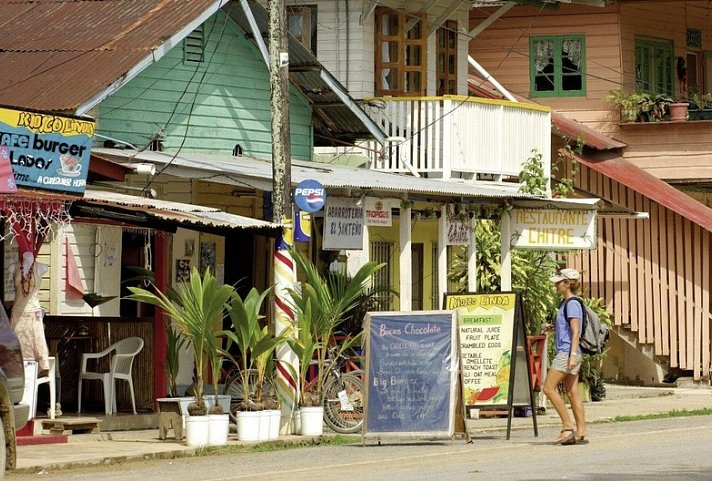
284	271
279	83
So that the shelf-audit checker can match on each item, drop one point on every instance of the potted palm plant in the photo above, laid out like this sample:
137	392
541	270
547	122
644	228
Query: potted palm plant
252	343
217	418
198	309
175	342
323	303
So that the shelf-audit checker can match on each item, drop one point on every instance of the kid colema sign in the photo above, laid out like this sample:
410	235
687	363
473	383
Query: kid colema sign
553	229
47	151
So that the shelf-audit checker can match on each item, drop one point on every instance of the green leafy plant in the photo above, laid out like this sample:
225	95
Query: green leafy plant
247	334
324	303
174	343
532	176
198	310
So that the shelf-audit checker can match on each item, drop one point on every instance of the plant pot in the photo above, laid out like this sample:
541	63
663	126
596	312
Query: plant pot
297	421
248	425
312	421
678	111
265	421
219	429
197	430
694	114
275	419
629	115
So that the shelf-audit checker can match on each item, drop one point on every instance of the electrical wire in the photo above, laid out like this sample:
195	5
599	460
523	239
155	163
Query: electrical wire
195	98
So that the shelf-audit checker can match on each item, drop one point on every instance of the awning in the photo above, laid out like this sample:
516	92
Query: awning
163	214
338	179
625	172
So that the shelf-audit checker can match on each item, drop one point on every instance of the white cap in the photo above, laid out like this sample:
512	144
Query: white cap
564	274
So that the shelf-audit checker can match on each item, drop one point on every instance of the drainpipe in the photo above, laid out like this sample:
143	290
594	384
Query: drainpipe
348	44
487	77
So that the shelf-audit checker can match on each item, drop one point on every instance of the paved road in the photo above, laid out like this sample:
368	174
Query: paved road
670	449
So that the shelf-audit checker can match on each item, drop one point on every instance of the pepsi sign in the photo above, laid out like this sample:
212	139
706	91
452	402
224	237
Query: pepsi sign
310	195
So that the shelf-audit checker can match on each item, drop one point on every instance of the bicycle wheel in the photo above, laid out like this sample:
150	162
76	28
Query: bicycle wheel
350	420
233	388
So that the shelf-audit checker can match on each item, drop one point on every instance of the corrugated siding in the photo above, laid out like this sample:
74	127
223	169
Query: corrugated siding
232	107
603	59
653	274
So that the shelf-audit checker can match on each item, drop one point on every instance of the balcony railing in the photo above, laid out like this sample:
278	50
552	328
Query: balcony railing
460	137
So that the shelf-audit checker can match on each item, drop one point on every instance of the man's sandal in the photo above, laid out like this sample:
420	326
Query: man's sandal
582	439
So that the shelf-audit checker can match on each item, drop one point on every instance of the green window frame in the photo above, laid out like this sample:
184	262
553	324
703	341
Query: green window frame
654	66
559	68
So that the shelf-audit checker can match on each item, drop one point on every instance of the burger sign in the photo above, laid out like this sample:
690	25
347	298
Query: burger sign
310	196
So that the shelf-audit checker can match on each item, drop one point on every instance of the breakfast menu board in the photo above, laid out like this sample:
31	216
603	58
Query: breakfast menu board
486	325
411	374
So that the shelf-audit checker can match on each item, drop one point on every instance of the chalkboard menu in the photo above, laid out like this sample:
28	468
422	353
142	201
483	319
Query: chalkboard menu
411	374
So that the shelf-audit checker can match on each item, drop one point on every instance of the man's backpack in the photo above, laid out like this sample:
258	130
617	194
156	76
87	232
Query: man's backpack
594	333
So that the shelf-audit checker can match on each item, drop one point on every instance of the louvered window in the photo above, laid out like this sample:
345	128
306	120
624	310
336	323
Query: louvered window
194	46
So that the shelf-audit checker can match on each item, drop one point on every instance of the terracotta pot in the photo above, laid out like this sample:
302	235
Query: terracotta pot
678	111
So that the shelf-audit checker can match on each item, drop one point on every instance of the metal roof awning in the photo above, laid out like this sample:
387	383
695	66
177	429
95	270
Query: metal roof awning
612	165
163	214
338	179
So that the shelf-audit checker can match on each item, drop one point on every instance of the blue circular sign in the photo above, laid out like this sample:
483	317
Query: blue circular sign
310	195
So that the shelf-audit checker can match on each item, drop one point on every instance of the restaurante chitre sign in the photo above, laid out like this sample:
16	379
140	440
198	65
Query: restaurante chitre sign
553	229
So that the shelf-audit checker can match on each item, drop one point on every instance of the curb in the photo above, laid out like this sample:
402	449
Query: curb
107	461
182	452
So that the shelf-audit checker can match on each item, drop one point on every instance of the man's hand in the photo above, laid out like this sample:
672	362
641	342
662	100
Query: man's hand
546	327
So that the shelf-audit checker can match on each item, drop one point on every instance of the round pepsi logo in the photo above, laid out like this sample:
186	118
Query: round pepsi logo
310	195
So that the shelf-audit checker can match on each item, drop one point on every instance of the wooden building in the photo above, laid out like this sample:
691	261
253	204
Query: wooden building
655	274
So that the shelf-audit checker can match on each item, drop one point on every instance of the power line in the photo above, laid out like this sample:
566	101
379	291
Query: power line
195	98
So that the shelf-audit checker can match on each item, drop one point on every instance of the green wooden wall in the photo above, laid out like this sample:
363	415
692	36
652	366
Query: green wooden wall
232	105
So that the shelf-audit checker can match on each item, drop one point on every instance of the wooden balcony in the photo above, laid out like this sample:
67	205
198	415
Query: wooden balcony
672	151
460	137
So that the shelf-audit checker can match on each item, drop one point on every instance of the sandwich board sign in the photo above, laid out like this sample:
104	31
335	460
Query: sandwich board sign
411	375
494	361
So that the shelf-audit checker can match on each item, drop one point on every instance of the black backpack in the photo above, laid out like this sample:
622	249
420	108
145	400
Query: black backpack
594	333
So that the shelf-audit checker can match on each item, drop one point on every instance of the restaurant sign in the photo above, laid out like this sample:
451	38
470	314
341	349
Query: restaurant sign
47	151
553	229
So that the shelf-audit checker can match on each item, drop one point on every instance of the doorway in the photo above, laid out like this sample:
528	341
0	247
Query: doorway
417	276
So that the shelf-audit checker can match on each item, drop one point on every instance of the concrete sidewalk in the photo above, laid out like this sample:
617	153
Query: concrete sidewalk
119	447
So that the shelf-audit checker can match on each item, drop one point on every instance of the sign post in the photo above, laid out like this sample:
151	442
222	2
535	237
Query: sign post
411	375
492	341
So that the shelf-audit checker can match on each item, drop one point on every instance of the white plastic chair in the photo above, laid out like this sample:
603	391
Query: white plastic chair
121	362
51	379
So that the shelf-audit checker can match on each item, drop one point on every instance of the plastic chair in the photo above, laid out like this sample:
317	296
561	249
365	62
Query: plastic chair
51	379
121	362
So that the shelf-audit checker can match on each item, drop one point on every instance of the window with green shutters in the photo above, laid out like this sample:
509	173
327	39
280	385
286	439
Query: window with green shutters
557	66
654	66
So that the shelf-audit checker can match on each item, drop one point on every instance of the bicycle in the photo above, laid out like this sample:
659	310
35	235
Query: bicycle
342	398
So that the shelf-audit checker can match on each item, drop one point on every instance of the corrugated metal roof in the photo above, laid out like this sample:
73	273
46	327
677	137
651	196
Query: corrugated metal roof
55	55
183	214
633	177
257	174
333	119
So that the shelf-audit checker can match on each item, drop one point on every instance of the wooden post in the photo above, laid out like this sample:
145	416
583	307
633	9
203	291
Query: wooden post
442	253
406	261
160	340
472	257
279	83
285	274
506	273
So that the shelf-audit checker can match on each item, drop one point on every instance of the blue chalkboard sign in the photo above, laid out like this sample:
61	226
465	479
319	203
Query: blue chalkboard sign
411	374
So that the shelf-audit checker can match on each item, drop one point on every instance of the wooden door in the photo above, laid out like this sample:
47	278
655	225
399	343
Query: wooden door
417	276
